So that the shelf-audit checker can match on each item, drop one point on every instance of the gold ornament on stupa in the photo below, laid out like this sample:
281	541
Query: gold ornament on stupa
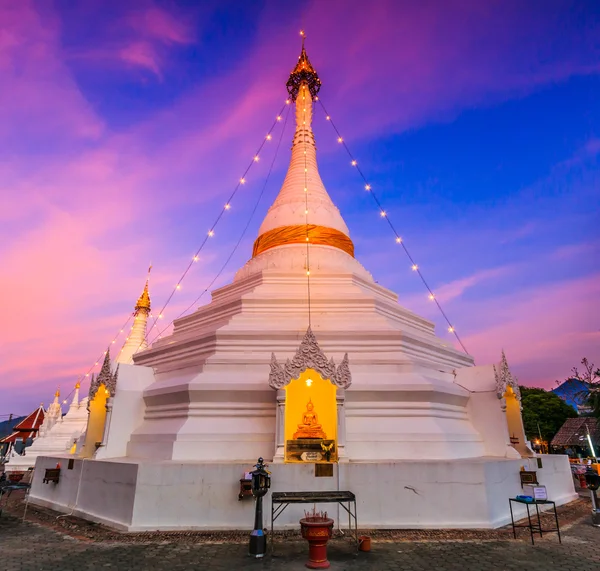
310	427
304	72
143	303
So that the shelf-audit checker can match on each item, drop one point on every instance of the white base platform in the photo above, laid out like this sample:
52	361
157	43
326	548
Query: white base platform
145	495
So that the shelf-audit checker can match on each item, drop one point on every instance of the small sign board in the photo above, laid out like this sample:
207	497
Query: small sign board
528	477
536	492
324	470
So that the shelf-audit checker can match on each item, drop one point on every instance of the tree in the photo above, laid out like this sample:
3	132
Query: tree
591	377
544	409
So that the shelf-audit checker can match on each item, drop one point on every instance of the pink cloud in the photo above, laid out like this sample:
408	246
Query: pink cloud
142	54
544	330
39	97
159	24
571	251
142	39
456	288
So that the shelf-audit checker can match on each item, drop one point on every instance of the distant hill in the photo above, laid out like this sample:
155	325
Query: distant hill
575	393
6	427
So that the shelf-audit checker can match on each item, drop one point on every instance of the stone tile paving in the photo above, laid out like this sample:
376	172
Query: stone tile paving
44	546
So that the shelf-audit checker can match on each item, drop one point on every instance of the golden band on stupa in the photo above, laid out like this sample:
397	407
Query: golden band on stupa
298	235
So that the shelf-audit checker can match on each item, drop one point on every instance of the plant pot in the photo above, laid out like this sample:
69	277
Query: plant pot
317	532
364	543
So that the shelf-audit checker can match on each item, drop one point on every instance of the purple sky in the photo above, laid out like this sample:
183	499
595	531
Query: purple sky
124	127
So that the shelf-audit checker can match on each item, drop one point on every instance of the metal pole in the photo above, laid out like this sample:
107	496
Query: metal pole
258	540
595	510
258	516
260	486
589	437
541	439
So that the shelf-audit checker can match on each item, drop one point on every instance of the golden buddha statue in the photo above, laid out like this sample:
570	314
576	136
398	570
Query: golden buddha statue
310	427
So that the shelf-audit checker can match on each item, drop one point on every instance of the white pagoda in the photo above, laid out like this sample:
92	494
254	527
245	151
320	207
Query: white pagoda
57	435
305	360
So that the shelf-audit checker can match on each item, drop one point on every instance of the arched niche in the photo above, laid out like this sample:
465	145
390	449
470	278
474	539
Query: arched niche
514	421
507	389
96	421
310	422
310	371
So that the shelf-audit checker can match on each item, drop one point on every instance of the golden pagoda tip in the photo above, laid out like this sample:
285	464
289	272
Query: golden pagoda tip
143	301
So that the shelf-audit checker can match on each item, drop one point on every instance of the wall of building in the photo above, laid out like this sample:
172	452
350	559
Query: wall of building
485	410
127	409
420	494
99	491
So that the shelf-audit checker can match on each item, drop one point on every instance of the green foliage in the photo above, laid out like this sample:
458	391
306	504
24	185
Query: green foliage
545	408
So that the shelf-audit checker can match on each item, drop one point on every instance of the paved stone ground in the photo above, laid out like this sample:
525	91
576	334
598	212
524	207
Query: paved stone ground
27	546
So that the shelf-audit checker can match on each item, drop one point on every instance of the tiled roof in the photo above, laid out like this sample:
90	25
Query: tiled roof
575	430
32	421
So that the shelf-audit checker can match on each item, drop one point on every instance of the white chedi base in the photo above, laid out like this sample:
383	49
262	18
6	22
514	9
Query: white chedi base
58	440
150	495
210	400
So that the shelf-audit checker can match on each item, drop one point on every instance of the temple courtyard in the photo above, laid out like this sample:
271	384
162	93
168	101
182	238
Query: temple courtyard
44	542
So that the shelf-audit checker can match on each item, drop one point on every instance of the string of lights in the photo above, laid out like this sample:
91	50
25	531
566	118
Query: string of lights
304	88
85	375
382	212
211	232
195	258
241	237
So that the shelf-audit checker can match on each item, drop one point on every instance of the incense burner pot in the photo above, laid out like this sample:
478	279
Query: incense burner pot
317	530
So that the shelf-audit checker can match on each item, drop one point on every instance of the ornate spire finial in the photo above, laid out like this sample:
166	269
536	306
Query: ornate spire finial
77	385
105	377
303	72
57	393
143	302
504	380
105	370
309	356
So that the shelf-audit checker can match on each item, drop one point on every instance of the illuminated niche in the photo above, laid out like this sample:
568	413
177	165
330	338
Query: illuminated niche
96	421
310	419
515	423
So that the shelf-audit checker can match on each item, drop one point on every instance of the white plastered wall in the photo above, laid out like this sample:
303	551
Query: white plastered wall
127	409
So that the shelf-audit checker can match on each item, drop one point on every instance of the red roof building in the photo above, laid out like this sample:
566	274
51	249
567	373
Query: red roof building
27	428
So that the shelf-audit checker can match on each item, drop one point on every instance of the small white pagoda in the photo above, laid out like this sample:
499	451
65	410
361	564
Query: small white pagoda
304	360
58	434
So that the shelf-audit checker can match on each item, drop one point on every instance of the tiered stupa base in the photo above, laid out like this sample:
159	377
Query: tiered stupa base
148	495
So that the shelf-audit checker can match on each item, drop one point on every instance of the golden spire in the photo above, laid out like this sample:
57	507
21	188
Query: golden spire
57	393
288	221
78	385
143	302
303	72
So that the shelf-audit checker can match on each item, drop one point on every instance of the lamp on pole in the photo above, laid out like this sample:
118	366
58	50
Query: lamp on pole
261	482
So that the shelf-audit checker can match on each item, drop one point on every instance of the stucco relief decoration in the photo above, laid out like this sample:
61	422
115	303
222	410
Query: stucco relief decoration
309	356
105	377
505	379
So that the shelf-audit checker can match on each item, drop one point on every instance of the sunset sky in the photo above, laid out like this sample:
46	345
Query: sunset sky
124	127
